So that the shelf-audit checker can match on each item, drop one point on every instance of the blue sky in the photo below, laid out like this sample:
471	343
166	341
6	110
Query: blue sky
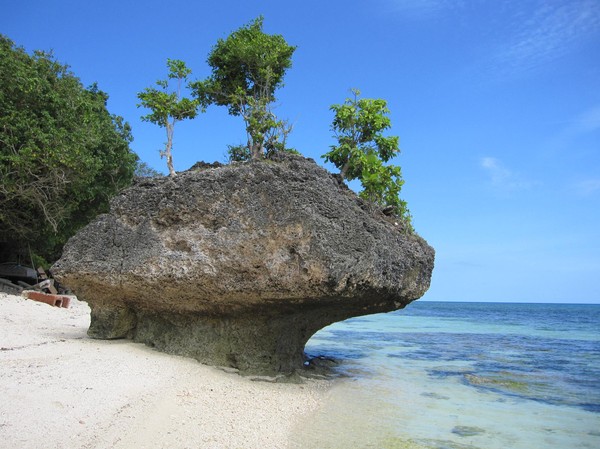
497	105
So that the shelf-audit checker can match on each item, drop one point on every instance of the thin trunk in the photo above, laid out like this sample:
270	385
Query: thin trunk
345	169
168	148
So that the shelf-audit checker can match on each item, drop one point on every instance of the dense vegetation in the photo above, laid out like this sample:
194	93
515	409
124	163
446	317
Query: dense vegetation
62	154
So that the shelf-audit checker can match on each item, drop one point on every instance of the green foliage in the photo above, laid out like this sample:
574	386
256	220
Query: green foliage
238	153
241	153
143	170
168	106
247	67
62	154
275	142
363	150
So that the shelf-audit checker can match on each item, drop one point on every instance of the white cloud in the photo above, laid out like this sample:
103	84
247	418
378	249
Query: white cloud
545	34
588	121
495	169
501	177
581	125
587	186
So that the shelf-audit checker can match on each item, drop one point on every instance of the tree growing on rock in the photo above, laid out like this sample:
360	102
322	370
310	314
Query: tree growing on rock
275	142
63	155
169	106
362	151
247	68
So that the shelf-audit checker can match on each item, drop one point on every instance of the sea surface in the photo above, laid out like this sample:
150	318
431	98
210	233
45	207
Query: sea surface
450	375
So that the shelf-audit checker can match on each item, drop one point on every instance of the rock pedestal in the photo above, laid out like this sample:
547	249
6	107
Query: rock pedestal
239	265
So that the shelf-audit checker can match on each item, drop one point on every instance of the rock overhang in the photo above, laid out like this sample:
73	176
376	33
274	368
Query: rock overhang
269	252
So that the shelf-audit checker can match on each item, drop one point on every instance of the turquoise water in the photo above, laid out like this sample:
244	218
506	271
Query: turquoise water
443	375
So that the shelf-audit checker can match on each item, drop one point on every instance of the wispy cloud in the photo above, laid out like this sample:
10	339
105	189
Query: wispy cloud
587	187
527	35
498	173
501	177
545	34
569	132
587	122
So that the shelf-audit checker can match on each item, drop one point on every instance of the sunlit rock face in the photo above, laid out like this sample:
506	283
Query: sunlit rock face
239	265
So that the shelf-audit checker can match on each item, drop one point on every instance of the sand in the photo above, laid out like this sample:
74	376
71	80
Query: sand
61	389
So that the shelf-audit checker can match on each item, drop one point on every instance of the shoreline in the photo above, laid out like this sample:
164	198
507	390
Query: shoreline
63	389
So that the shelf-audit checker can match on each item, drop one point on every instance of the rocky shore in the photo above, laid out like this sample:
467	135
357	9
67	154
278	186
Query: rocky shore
240	265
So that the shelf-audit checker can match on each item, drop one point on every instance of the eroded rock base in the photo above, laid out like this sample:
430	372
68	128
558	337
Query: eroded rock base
253	344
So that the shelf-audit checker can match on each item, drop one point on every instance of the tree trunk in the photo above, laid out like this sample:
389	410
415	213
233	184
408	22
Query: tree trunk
168	148
256	151
345	169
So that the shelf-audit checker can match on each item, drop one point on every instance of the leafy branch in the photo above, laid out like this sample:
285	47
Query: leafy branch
362	151
168	106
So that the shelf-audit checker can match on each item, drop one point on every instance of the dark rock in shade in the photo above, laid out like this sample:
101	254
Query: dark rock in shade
239	265
467	431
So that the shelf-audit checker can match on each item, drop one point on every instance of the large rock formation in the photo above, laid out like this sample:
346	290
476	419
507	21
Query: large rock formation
239	265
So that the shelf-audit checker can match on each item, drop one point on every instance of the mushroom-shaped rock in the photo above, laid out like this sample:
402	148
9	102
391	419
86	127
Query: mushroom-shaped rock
239	265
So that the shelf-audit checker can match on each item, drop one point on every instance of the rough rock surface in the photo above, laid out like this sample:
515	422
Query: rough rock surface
239	265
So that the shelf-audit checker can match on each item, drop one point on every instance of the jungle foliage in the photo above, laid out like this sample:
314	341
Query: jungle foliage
62	154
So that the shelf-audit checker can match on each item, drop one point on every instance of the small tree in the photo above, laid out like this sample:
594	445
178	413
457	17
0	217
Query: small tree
169	107
363	150
247	68
275	142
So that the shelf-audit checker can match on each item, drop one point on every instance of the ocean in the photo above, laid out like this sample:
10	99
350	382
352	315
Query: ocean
450	375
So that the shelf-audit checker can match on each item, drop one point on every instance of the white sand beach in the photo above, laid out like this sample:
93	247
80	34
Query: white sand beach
61	389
